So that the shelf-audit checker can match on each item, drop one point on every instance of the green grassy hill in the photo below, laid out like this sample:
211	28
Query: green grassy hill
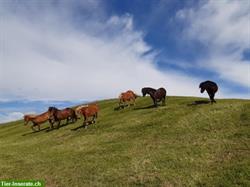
172	145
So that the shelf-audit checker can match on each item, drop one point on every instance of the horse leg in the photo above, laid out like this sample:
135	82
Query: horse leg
163	101
32	127
84	122
211	96
38	125
155	102
93	119
120	104
130	102
133	102
51	123
75	117
58	124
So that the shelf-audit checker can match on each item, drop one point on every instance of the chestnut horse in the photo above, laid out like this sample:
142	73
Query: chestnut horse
78	110
27	118
90	110
127	97
211	88
37	120
56	115
156	95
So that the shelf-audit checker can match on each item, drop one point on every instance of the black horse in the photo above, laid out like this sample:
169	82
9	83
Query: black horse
156	95
211	88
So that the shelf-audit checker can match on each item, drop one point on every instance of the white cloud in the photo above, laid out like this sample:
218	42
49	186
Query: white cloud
6	117
46	56
224	27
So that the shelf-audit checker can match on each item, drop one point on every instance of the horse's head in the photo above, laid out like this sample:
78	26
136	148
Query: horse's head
144	92
202	87
25	119
51	112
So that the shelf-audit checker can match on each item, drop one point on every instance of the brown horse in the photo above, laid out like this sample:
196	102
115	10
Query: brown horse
211	88
27	118
78	110
37	120
56	115
156	95
127	96
88	111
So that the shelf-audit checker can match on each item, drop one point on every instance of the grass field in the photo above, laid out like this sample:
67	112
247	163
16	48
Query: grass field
172	145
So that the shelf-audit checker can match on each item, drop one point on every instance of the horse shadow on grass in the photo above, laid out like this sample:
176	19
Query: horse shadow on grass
79	127
29	133
199	102
61	126
146	107
82	126
120	107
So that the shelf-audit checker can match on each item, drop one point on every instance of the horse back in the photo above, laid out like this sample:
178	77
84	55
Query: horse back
127	96
210	86
41	118
28	117
161	92
89	110
65	113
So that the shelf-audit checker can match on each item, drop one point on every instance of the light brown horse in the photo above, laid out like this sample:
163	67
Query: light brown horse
88	111
56	115
127	97
37	120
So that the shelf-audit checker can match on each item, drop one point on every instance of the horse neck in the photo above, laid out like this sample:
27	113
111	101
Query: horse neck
151	93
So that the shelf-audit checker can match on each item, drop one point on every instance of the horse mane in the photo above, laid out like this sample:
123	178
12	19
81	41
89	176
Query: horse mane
148	90
52	108
206	83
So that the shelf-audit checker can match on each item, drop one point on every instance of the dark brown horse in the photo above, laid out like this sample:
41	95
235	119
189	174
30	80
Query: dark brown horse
156	95
37	120
211	88
88	111
56	115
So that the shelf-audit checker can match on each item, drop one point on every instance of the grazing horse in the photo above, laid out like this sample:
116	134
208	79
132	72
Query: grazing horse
127	97
156	95
56	115
211	88
37	120
90	110
78	110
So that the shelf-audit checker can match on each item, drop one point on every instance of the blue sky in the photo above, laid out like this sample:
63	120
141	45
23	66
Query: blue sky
88	50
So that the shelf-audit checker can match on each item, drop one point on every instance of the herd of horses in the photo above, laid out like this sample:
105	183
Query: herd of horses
90	112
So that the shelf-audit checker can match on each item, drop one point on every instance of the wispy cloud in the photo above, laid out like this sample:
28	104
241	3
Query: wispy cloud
51	53
12	116
224	28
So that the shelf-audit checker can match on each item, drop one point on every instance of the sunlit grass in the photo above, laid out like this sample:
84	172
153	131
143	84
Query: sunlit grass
172	145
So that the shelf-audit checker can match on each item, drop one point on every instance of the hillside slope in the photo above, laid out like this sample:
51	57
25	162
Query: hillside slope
172	145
